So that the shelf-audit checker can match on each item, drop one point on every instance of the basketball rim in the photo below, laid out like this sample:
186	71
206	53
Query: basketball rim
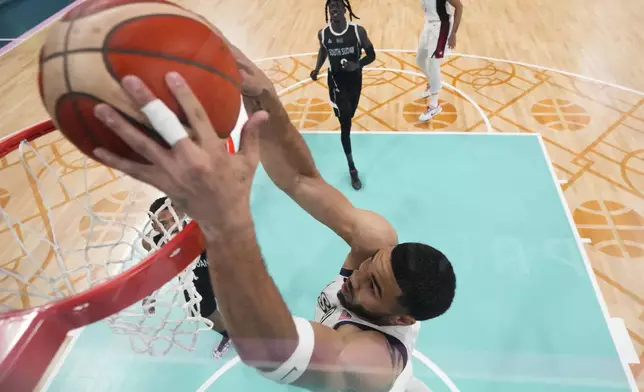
30	338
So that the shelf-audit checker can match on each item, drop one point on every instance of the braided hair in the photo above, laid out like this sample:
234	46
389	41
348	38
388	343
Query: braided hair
347	5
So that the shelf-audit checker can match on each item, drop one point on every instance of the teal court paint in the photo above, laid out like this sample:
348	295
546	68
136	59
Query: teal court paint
526	315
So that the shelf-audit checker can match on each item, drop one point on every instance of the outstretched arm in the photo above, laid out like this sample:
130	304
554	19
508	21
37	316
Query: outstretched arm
214	187
289	163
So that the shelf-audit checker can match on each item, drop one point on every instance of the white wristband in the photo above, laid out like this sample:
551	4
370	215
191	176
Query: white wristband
165	122
293	368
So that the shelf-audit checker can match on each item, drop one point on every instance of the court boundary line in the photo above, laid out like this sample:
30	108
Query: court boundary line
75	334
37	28
420	133
475	56
589	269
603	306
425	360
486	119
431	365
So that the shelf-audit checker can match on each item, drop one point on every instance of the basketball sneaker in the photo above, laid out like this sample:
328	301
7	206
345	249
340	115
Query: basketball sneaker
355	180
148	306
222	348
430	113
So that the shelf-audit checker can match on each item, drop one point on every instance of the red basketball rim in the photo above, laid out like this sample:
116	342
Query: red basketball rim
30	338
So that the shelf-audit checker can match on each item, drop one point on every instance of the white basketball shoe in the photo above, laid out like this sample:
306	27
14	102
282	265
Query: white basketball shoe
221	349
430	113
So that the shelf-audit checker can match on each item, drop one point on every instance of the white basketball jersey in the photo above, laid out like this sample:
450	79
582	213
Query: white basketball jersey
331	313
437	10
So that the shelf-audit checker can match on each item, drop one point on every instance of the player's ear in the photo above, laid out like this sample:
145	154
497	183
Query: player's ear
403	320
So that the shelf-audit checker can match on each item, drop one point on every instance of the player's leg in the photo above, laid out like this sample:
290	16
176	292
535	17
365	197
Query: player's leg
423	56
353	93
340	95
217	321
289	163
208	310
218	325
437	41
435	86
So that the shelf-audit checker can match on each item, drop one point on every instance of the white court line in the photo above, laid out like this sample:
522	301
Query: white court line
589	268
543	68
114	271
227	366
285	56
437	371
420	356
486	120
33	31
423	133
474	56
75	334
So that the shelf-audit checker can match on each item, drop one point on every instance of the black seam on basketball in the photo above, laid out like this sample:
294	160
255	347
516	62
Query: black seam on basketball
71	95
122	5
143	53
151	133
171	58
68	33
68	85
106	50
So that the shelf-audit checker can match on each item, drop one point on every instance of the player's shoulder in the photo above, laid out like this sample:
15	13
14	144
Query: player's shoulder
360	27
370	350
362	32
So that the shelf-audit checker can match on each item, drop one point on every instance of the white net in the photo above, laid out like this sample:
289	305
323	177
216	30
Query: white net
68	223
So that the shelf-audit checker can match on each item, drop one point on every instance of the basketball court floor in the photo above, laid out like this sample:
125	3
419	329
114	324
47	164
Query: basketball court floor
548	259
526	309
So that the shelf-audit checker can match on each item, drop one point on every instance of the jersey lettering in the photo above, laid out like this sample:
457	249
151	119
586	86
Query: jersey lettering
339	47
202	263
342	51
324	303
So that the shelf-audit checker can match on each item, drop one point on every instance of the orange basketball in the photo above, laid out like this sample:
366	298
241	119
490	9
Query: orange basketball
96	44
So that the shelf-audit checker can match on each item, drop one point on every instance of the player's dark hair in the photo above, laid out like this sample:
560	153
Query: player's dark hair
347	5
426	278
157	204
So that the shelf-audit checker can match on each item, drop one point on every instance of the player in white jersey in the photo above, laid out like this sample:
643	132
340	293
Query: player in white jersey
366	325
442	20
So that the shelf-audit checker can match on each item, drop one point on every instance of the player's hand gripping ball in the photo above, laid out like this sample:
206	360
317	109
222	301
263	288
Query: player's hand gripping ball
89	51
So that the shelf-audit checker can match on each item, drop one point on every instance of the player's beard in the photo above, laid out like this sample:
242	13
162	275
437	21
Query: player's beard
361	312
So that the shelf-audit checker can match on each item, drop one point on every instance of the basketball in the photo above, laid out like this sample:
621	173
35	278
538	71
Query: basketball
92	47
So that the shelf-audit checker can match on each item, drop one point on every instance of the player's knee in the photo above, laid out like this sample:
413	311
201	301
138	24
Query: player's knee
421	58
